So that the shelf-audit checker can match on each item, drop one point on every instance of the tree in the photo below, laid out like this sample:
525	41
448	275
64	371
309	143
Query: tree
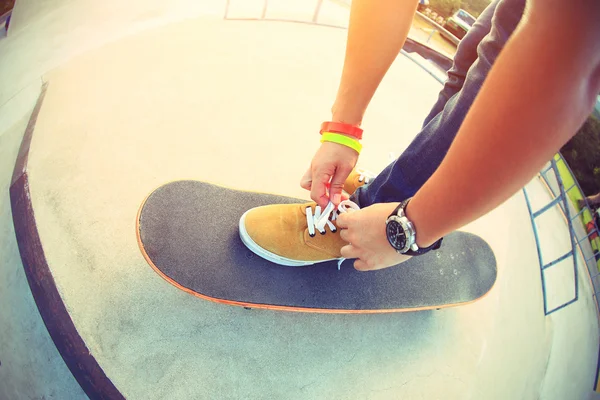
474	7
445	8
582	153
6	5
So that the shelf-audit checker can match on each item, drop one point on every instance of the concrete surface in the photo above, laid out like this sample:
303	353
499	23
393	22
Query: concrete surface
205	99
30	365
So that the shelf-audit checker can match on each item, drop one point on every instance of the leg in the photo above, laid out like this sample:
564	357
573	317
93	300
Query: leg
466	55
475	56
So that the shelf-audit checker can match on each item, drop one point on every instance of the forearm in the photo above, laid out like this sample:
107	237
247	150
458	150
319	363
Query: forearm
376	33
538	93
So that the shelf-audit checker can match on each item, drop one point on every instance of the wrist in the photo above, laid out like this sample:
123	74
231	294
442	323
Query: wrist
346	114
426	234
347	119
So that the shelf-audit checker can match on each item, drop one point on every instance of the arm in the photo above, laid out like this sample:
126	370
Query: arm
539	92
376	33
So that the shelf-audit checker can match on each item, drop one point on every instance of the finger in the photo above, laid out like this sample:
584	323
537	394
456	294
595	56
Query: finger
344	234
342	221
337	184
360	265
306	181
350	251
318	191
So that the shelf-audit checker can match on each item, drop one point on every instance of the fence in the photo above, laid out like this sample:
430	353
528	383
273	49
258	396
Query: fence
580	238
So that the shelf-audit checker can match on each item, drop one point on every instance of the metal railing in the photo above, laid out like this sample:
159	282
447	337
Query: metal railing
593	262
561	199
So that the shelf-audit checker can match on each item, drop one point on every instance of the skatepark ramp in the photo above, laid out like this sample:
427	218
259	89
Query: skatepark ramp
142	93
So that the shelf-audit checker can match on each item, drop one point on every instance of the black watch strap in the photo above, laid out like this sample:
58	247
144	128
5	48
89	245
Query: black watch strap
402	205
423	250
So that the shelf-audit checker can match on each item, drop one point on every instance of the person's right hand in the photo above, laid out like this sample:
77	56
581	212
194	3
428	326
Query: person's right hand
330	166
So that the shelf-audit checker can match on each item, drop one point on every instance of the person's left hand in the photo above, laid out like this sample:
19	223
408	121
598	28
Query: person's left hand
364	230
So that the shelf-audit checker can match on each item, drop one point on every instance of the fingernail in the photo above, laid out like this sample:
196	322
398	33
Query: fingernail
337	198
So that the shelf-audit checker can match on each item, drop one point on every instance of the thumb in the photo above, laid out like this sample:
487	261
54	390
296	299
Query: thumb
306	181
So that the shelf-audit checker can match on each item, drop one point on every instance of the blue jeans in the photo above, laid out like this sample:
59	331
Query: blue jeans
474	57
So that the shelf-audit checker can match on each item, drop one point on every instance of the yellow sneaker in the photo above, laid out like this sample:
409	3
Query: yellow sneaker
357	178
294	234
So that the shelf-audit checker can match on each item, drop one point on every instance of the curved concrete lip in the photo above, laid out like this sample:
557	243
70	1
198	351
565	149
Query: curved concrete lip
214	101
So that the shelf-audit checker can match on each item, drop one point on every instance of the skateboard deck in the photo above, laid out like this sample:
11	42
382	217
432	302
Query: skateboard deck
188	232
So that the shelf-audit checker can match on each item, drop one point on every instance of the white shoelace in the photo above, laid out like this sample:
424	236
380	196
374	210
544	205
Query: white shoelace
320	219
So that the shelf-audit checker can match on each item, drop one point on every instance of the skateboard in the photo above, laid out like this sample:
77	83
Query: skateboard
188	233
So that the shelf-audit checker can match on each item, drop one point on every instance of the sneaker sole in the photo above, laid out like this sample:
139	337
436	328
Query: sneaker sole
267	255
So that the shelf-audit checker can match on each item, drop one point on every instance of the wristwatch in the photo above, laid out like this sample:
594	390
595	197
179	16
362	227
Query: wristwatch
401	233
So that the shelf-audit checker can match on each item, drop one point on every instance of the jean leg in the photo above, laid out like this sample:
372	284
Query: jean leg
466	54
403	178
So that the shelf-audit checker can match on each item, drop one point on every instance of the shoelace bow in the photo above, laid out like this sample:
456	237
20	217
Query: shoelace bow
319	219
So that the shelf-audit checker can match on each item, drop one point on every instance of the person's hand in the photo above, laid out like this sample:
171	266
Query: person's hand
364	230
330	167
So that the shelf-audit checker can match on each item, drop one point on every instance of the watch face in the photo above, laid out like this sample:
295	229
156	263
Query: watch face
396	235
